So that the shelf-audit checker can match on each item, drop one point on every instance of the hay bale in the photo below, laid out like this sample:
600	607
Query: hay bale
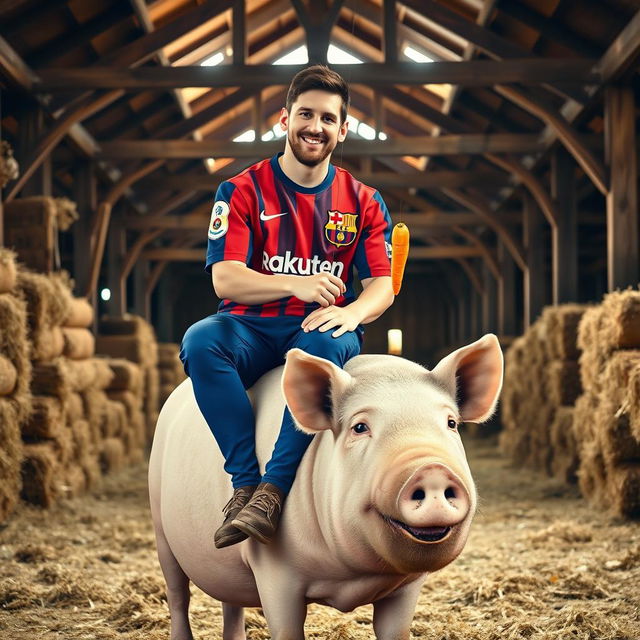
8	376
127	347
74	481
29	227
81	374
9	169
51	379
95	409
11	455
167	376
8	270
39	474
80	314
63	445
592	473
613	433
81	439
131	402
104	374
66	213
127	376
584	420
15	346
623	484
115	420
79	343
46	419
563	382
127	325
633	402
565	460
74	408
562	323
90	466
167	389
112	456
168	355
46	306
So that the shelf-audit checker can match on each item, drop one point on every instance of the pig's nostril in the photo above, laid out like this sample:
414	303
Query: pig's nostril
450	493
418	494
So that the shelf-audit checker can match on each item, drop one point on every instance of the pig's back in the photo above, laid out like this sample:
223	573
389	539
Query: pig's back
188	488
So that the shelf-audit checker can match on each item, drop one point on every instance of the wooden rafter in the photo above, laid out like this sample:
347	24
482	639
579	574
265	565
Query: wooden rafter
425	145
472	73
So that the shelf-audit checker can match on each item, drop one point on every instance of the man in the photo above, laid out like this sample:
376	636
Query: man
284	237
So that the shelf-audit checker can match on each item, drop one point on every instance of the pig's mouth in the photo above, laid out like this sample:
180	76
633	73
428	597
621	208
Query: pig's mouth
424	534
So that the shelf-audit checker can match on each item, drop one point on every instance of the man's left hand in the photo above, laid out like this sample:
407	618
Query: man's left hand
330	317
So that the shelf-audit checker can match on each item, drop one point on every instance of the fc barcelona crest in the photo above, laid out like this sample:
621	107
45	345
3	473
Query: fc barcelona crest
341	228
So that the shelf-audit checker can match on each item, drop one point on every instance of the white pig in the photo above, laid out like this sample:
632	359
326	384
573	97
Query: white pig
383	495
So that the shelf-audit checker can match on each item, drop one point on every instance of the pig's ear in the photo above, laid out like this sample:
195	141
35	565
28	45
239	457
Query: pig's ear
310	386
473	374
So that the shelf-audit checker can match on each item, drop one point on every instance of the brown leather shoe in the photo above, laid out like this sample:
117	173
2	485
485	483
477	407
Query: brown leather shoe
259	519
227	534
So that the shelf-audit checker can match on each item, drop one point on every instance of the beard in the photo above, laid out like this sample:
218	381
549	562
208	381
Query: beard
306	157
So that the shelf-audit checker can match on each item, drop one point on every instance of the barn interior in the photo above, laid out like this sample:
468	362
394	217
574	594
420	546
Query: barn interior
503	133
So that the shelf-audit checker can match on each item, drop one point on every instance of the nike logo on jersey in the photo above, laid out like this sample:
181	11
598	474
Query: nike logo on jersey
265	217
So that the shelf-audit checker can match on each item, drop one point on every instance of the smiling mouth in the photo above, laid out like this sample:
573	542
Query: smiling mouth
423	534
312	141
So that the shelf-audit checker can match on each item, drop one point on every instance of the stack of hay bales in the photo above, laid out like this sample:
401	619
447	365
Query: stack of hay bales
542	382
171	369
15	377
127	388
605	422
31	228
131	337
48	441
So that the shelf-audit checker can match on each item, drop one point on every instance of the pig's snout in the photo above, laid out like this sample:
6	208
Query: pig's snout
433	497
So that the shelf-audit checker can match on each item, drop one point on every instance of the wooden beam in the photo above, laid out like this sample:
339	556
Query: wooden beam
622	200
590	164
145	47
13	69
423	145
472	73
507	317
622	55
239	37
389	31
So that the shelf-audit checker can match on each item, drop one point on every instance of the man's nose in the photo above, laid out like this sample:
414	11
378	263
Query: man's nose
316	124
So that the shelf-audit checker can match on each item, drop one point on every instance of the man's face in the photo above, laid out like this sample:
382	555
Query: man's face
313	126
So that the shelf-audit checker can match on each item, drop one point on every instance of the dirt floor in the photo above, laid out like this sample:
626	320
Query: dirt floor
540	564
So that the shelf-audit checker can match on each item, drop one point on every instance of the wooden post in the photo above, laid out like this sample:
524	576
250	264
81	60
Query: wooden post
534	296
117	247
239	32
622	199
564	241
389	31
506	293
141	303
476	303
85	195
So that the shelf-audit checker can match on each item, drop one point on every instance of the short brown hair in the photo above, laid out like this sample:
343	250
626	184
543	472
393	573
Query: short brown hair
319	77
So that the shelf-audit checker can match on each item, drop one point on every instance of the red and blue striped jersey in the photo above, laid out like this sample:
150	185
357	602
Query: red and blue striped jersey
275	226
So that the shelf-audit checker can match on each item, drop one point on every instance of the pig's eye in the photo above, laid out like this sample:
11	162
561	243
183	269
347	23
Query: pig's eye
360	428
452	424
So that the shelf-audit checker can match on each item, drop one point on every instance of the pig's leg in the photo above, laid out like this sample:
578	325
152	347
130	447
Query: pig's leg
281	598
392	616
232	622
177	589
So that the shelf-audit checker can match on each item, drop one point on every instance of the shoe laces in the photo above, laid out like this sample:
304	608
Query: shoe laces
266	501
239	498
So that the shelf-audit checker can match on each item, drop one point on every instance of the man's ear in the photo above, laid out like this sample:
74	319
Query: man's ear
473	375
344	128
311	386
284	119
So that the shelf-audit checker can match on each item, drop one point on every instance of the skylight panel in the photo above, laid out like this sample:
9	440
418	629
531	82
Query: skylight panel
415	55
247	136
213	60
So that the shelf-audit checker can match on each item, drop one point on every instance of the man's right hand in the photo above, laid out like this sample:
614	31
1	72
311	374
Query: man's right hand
323	288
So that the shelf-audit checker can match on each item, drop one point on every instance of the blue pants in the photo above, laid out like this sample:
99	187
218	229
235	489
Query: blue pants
224	355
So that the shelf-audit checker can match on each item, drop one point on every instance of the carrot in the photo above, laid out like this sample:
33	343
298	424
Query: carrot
399	254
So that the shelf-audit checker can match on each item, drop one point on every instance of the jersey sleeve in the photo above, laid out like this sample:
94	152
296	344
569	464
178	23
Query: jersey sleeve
230	235
373	253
